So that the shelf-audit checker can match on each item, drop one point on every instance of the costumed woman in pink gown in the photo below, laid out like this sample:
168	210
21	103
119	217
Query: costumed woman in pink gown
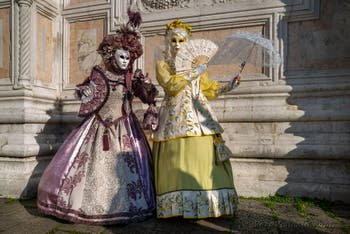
102	172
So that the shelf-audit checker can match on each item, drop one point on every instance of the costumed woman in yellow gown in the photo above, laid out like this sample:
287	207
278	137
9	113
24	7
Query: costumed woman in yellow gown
190	181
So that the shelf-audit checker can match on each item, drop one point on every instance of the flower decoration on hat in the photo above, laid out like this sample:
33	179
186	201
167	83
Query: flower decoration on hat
178	24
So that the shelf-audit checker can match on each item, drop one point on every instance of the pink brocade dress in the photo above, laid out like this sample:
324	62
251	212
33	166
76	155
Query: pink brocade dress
101	173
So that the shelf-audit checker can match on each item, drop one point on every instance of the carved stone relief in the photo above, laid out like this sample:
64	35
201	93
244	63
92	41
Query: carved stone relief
87	54
155	5
165	4
84	39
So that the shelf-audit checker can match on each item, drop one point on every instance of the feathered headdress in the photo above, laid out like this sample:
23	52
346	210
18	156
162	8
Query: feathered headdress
127	37
135	19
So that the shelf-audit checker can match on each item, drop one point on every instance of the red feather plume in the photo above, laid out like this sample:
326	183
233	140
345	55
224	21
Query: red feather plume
134	18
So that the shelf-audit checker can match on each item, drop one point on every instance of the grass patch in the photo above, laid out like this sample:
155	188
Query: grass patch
275	215
299	203
326	207
270	204
277	198
52	231
300	206
9	200
321	203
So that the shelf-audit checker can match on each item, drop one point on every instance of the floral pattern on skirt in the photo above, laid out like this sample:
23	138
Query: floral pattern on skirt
197	204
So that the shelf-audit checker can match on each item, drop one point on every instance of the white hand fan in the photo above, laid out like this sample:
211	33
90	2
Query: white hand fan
193	53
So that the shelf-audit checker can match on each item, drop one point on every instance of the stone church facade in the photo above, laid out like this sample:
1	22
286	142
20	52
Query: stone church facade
288	127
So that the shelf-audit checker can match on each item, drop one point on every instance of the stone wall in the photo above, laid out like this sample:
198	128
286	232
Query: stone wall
289	128
29	91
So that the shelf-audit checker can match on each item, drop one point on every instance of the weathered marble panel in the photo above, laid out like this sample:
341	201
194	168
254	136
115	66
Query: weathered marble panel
323	43
5	43
44	49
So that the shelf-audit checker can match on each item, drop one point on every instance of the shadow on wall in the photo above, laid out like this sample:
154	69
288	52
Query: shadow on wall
321	135
48	139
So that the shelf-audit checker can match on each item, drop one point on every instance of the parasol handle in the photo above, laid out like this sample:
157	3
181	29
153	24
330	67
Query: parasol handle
245	61
241	67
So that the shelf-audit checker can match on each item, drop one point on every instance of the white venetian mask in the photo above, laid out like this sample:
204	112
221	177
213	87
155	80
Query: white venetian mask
177	39
122	58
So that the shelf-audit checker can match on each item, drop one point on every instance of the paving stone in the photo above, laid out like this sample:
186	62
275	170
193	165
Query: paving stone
252	205
222	224
252	217
10	208
320	221
17	216
36	225
250	222
290	219
81	228
2	202
342	212
287	211
171	225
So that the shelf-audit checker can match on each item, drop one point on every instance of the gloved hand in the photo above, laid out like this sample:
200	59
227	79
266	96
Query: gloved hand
195	73
234	82
230	85
200	69
86	91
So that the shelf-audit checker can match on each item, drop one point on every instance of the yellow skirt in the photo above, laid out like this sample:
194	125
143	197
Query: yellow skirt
189	180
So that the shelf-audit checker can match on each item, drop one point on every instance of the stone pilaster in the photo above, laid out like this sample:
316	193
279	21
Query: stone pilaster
24	37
